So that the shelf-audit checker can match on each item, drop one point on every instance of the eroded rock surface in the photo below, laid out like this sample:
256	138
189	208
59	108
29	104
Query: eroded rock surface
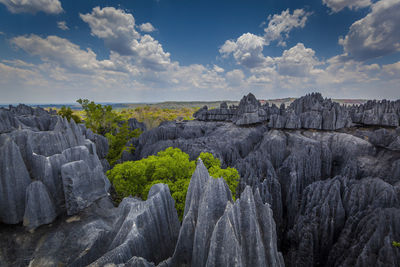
34	148
217	232
320	186
322	180
308	112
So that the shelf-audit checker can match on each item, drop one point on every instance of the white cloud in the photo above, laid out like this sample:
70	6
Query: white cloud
247	50
147	27
114	26
375	35
62	25
61	51
280	25
297	61
33	6
146	72
117	29
338	5
235	78
218	69
392	70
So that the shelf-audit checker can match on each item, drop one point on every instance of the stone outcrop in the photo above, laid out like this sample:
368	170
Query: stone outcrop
82	186
39	206
41	156
305	198
317	183
146	229
383	113
137	233
308	112
134	124
217	232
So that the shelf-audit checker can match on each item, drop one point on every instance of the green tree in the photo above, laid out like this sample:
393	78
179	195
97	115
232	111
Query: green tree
66	112
172	167
101	119
396	244
117	142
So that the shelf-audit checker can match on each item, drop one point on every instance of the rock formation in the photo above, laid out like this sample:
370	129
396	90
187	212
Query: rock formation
319	186
46	151
217	232
308	112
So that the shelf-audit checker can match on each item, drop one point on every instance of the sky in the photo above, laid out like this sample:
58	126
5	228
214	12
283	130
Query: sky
57	51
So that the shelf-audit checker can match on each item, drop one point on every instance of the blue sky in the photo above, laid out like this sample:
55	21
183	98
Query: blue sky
57	51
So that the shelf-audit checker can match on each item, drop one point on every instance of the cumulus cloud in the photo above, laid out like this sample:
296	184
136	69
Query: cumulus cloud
375	35
247	50
62	25
280	25
114	26
297	61
218	69
147	27
117	29
60	51
235	78
33	6
338	5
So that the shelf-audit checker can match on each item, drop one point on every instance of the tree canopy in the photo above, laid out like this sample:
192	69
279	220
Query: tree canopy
172	167
103	120
66	112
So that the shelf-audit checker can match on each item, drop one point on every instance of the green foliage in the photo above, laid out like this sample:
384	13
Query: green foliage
209	160
128	178
172	167
66	112
152	116
101	119
117	142
230	175
396	244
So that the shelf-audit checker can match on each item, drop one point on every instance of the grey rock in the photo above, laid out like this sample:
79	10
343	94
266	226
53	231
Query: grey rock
366	240
216	232
138	262
384	113
135	124
147	229
82	186
245	235
14	180
39	207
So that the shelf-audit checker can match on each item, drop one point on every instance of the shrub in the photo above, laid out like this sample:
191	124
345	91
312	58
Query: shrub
100	119
66	112
172	167
103	120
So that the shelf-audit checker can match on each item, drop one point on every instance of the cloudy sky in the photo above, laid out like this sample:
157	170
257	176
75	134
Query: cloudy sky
56	51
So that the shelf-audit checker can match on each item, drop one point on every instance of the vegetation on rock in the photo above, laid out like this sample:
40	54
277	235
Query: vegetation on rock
103	120
172	167
66	112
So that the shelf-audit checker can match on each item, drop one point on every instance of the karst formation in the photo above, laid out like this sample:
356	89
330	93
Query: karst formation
319	186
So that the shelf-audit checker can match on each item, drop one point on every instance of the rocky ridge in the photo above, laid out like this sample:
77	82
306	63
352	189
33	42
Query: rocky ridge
309	112
306	197
334	193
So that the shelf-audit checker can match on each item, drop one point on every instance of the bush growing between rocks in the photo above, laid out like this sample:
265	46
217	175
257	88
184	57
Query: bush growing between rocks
103	120
172	167
66	112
